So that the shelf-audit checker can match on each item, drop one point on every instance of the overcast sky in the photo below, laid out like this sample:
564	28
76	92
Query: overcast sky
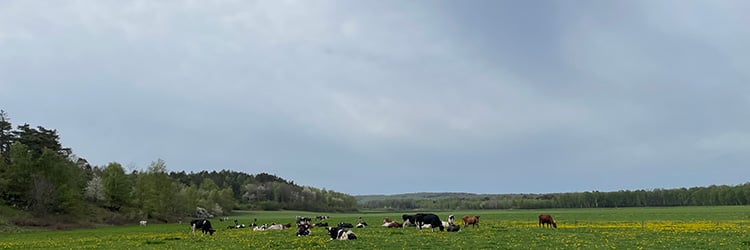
385	97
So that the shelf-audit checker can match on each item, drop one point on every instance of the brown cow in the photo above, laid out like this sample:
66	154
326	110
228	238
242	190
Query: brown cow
545	220
392	224
471	220
387	219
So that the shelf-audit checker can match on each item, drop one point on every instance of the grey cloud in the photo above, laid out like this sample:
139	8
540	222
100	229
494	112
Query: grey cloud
327	93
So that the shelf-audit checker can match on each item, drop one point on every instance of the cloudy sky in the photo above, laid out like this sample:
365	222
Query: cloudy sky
384	97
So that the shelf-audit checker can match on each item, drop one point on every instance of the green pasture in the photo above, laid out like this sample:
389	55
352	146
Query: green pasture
623	228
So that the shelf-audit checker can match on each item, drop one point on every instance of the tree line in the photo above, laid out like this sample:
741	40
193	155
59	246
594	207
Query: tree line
40	176
696	196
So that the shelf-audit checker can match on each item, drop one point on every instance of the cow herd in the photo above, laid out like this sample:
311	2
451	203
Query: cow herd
343	232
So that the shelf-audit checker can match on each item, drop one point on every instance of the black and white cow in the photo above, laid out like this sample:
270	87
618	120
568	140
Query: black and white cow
202	224
453	228
361	223
339	233
303	220
408	220
263	227
321	224
451	221
303	230
428	219
237	225
345	225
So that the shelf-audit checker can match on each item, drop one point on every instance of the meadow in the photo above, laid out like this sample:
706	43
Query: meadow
726	227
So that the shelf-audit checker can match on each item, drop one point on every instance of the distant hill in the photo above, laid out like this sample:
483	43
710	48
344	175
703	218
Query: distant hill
361	199
714	195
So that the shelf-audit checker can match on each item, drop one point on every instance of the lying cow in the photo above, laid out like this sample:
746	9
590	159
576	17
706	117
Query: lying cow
392	224
472	220
279	226
453	228
345	225
204	225
361	223
451	220
237	225
431	221
545	220
303	230
387	219
261	227
339	233
303	220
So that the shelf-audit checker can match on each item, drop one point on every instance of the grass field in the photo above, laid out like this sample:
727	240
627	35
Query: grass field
624	228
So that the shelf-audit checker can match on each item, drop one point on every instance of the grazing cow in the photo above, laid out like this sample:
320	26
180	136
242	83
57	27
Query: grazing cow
392	224
204	225
545	220
472	220
143	223
408	220
453	228
303	230
338	233
345	225
422	220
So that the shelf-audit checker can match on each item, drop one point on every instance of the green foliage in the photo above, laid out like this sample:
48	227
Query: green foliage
117	186
18	174
37	139
44	183
66	179
154	192
39	175
6	138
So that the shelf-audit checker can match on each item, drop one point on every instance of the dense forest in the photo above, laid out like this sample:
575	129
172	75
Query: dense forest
41	177
696	196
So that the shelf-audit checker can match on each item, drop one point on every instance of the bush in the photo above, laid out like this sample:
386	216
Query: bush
269	205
